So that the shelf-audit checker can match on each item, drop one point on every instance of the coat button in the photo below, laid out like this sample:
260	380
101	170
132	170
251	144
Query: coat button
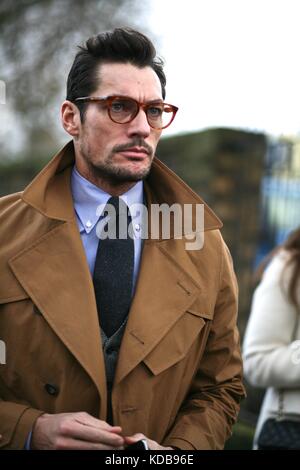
52	389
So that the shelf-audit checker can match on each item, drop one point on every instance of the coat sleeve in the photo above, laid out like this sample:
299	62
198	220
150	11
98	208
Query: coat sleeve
270	343
16	422
211	407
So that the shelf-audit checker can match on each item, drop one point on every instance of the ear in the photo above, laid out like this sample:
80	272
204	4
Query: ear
70	118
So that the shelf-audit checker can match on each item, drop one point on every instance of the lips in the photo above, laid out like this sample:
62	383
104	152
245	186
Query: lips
135	152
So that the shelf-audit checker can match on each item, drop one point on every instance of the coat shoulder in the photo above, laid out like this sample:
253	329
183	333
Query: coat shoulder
21	225
13	217
9	203
215	249
16	215
12	211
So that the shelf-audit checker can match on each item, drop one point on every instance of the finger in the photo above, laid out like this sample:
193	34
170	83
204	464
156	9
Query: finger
88	420
64	443
136	437
116	429
82	432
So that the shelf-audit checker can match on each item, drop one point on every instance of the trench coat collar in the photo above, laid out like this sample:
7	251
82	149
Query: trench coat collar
51	186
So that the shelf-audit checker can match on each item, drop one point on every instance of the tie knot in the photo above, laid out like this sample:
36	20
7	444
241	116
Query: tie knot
116	222
119	205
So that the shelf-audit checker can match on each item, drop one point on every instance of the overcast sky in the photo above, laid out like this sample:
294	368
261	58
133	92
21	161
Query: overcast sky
233	63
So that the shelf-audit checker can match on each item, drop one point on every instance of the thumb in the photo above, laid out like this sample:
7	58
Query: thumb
134	438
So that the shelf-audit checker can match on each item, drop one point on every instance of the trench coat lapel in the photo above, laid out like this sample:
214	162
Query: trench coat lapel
168	282
164	291
54	273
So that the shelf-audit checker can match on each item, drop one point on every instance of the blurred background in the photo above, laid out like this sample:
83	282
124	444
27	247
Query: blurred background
232	69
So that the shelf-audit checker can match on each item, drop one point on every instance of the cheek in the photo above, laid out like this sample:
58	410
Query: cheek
97	137
155	138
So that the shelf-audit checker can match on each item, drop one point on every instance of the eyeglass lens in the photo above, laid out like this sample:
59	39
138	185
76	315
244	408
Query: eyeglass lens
124	110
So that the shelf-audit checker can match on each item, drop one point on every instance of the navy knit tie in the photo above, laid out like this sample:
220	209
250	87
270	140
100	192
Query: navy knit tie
113	273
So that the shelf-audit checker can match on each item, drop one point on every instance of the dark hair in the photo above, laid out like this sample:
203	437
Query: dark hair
122	45
292	244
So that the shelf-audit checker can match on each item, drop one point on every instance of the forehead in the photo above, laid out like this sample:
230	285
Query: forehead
127	79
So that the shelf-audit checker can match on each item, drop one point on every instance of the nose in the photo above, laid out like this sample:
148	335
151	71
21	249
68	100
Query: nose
139	126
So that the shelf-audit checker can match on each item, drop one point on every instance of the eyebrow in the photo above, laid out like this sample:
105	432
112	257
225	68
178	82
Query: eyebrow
158	100
120	95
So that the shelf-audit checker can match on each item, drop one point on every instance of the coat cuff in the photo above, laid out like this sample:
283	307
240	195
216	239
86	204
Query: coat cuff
18	427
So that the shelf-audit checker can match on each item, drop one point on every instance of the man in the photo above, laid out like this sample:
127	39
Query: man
102	352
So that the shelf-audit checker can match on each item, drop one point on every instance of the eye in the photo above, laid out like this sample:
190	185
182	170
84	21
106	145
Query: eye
118	106
154	111
123	106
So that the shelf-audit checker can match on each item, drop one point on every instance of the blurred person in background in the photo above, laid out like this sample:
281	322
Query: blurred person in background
271	348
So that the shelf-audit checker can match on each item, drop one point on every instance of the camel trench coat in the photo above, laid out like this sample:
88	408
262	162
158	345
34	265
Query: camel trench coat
178	377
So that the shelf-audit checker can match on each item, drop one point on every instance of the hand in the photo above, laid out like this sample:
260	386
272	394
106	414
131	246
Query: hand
152	444
79	431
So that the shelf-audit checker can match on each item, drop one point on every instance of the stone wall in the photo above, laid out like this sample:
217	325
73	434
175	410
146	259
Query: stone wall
225	168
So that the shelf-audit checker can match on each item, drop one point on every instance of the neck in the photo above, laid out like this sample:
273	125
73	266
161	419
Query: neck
109	185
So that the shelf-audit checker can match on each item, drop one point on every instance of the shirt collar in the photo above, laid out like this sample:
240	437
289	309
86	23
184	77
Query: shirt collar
87	197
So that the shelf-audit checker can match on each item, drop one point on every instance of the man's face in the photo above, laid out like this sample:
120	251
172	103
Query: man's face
119	153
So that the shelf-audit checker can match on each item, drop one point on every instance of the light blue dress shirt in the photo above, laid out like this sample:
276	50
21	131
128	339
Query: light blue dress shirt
87	197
